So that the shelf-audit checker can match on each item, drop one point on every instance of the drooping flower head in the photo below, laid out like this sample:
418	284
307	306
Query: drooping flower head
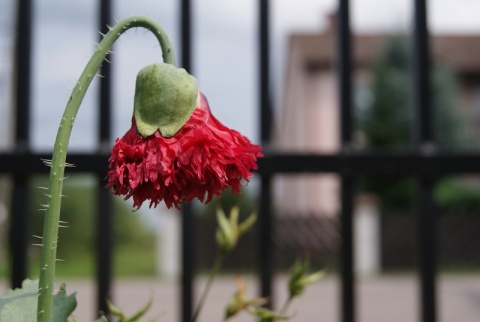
176	150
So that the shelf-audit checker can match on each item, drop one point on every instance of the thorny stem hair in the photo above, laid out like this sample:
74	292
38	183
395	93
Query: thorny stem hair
52	217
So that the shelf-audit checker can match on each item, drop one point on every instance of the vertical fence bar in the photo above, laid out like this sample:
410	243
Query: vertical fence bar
19	223
104	246
426	239
345	100
264	72
23	74
186	32
187	263
105	99
188	252
104	202
423	141
19	235
423	133
265	240
344	65
347	263
266	217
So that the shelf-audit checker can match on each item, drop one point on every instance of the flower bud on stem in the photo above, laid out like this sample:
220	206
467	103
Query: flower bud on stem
52	217
230	230
227	235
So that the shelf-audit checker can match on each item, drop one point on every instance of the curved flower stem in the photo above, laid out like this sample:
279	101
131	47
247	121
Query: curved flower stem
216	266
52	217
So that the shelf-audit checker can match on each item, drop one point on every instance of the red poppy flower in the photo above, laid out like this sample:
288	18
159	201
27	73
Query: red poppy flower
203	158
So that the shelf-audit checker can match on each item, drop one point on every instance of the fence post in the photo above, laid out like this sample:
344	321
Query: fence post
19	223
347	181
266	216
104	201
423	142
188	261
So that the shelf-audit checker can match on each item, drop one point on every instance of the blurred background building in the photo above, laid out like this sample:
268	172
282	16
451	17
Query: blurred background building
308	205
309	116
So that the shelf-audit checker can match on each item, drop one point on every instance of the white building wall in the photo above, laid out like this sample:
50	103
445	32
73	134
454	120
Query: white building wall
309	125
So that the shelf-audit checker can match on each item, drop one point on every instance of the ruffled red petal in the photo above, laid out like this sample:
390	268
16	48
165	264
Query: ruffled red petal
200	161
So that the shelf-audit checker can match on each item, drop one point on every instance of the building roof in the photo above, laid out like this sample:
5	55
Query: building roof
459	52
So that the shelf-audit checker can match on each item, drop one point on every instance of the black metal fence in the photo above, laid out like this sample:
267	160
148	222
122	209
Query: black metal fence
423	162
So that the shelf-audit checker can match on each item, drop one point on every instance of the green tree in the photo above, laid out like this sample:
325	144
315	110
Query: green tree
386	120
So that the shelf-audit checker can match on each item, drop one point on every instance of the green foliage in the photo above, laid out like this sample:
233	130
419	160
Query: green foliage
299	277
77	240
230	230
244	255
21	304
387	120
393	193
456	195
267	315
136	317
240	302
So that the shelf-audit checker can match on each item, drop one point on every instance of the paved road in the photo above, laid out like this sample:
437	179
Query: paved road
380	299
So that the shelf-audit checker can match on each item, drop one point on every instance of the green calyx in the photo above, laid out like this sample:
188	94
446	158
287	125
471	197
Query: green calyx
165	97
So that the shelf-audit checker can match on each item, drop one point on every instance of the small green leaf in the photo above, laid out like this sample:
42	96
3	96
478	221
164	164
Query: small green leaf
116	311
21	304
102	319
234	213
142	311
267	315
247	224
63	305
312	278
122	317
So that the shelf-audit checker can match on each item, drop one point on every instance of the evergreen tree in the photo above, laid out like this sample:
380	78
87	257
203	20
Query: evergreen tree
387	120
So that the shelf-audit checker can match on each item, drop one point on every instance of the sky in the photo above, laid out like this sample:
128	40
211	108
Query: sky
224	53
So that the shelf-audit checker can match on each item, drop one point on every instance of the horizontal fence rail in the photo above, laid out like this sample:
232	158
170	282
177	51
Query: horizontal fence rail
371	164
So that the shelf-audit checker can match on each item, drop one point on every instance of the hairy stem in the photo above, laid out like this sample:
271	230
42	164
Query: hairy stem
52	217
216	266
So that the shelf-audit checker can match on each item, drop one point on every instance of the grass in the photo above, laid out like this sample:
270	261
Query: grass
127	262
134	251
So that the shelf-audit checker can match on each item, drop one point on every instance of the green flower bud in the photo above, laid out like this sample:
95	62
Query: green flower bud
229	230
298	278
239	302
226	235
165	97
